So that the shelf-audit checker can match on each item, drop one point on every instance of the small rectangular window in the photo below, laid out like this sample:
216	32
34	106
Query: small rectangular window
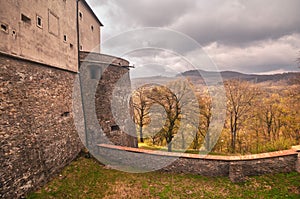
95	72
25	19
92	28
80	15
65	38
4	28
115	128
39	22
14	34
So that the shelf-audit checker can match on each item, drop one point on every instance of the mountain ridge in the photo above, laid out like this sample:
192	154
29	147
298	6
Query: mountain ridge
211	76
227	75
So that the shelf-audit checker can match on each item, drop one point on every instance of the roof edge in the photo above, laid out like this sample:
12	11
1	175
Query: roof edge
91	10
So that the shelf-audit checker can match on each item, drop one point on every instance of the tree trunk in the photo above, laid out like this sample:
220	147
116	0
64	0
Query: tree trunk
257	141
233	126
207	141
297	132
141	134
153	140
183	141
170	147
233	141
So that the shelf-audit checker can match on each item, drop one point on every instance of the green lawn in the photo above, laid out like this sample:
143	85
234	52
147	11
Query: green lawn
86	178
156	148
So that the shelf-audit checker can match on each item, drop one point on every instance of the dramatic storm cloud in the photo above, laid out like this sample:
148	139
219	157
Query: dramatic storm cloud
247	36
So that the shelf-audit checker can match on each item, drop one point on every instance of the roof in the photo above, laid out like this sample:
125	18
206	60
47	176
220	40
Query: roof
92	12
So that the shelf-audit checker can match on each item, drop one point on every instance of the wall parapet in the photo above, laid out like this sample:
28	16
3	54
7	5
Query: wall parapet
237	168
103	58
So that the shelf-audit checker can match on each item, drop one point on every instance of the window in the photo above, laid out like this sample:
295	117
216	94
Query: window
4	28
71	46
39	22
65	38
80	15
14	34
115	128
92	28
81	47
95	72
25	19
65	114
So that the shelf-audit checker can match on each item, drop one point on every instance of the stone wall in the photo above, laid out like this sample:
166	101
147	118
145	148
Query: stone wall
37	133
237	168
106	88
102	58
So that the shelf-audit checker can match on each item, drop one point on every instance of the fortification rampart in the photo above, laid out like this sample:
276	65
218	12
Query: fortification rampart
37	133
237	168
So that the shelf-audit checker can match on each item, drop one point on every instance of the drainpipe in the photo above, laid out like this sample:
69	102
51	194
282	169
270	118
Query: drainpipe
80	79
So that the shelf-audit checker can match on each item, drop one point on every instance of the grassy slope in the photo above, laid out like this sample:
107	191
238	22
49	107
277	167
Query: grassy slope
86	178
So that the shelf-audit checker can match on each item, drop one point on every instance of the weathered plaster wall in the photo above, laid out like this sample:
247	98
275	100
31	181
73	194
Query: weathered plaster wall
89	39
237	168
54	42
37	132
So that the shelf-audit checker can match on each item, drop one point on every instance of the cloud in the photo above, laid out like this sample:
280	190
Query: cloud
248	36
156	12
157	62
240	22
263	56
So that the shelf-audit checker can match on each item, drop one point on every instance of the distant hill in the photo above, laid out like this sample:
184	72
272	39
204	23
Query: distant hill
137	82
290	77
196	76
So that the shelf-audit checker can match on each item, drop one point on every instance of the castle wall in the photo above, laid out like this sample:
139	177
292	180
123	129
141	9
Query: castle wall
89	29
37	132
106	87
43	31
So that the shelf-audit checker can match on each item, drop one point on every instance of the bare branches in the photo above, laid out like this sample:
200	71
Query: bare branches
240	96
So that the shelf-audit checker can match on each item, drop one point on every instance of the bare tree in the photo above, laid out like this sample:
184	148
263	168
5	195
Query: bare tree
172	102
205	119
202	124
240	95
141	111
267	116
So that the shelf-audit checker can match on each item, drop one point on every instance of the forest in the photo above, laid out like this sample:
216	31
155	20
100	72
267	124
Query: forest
181	116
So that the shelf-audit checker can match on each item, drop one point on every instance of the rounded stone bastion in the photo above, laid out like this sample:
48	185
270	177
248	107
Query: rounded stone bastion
106	91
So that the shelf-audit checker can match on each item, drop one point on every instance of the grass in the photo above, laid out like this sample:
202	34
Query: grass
161	148
86	178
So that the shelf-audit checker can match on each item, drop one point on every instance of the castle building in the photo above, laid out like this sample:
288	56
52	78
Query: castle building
44	43
49	31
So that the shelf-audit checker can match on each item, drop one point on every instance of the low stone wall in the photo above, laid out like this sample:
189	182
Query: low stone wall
37	133
237	168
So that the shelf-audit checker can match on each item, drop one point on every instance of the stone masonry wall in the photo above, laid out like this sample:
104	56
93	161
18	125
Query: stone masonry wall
237	168
115	83
106	87
37	133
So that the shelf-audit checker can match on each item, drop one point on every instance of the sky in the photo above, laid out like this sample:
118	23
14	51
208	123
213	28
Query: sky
256	36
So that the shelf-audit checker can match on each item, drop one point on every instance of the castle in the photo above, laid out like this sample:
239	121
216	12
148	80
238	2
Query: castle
44	43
